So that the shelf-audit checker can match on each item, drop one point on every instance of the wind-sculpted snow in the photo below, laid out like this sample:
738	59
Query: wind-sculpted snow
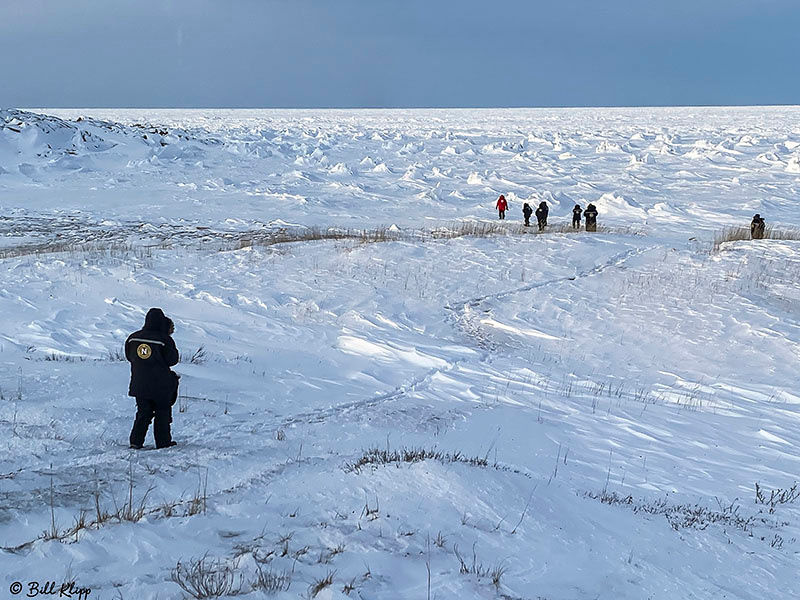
404	166
382	384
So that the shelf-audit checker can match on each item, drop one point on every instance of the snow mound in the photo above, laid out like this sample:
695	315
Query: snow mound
557	201
642	159
606	147
786	146
769	158
340	169
614	205
33	142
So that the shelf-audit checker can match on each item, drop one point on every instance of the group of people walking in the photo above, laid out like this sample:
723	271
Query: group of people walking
542	211
589	214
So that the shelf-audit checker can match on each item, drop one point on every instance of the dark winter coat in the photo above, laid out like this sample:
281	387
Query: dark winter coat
542	212
527	211
757	227
151	352
576	213
590	214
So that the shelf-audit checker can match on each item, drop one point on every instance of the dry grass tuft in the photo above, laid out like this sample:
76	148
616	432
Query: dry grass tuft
203	578
375	457
320	584
271	582
737	234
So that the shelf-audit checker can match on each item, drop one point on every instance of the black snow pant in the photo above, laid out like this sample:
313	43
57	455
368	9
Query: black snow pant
527	221
576	222
591	225
542	224
147	410
502	214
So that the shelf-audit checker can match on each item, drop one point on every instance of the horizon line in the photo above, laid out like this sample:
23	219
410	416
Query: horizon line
344	108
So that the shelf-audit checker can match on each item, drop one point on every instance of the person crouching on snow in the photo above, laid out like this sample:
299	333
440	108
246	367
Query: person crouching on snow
501	206
151	352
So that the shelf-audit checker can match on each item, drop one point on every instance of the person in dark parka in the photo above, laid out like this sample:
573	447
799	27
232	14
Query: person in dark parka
576	216
757	227
527	211
151	352
590	215
541	215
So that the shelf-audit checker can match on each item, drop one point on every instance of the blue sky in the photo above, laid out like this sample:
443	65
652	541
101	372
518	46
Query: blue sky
398	53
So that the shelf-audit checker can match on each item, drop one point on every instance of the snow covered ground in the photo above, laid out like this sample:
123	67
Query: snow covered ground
559	416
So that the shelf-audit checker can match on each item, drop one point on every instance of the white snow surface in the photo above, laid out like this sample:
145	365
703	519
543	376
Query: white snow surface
611	399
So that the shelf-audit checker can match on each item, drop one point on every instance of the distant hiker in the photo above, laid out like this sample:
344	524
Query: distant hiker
757	227
502	206
527	211
576	216
151	352
590	215
541	215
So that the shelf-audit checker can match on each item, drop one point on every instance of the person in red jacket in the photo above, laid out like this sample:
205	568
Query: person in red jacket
502	206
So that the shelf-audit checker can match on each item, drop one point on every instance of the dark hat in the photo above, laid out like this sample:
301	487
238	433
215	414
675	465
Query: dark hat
156	320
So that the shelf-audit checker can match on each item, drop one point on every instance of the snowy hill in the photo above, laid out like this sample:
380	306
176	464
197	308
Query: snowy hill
385	393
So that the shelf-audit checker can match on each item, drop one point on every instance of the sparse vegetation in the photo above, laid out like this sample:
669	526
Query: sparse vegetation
203	578
61	357
494	572
326	555
736	234
684	516
116	356
199	356
94	251
130	510
383	456
270	581
777	496
440	541
198	503
349	586
283	541
371	513
320	584
393	234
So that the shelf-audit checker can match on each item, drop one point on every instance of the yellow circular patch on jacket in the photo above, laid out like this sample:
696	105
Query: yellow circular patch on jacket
144	351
